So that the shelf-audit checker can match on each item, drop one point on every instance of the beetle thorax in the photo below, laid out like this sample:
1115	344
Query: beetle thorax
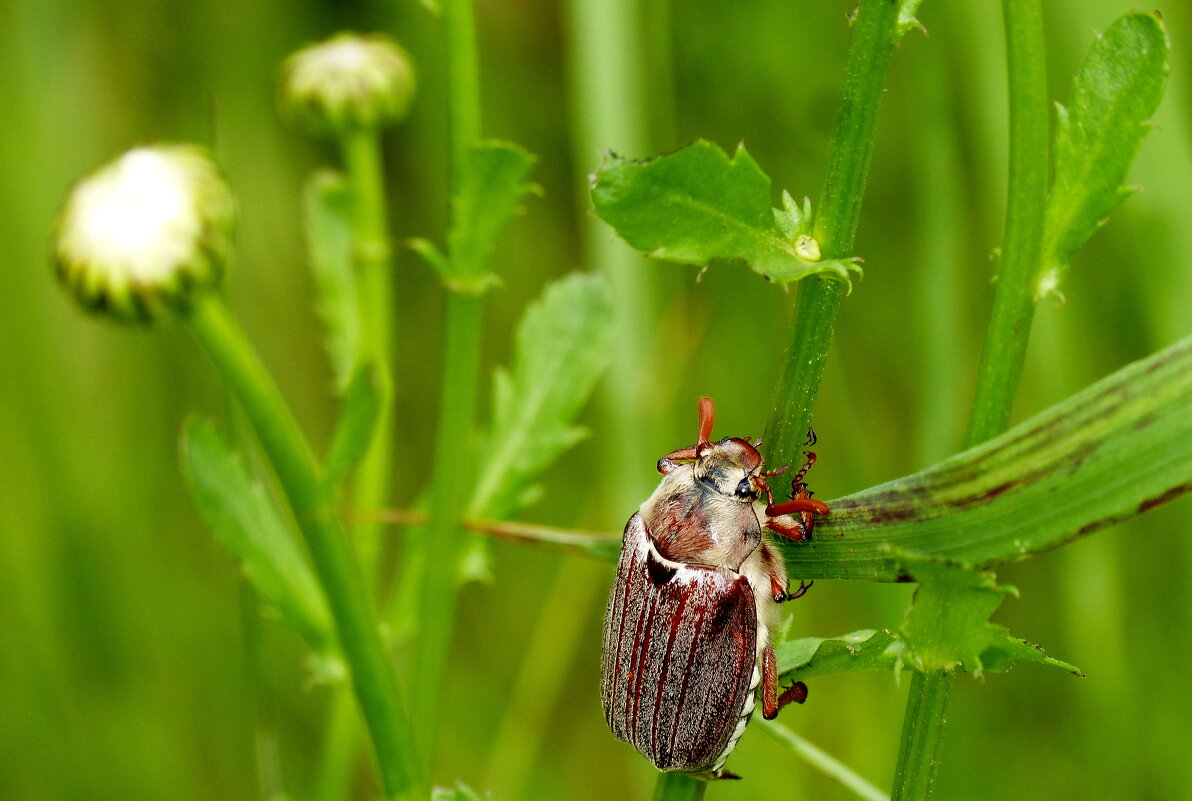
704	512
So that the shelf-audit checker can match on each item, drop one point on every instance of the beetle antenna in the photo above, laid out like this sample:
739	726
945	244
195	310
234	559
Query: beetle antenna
707	414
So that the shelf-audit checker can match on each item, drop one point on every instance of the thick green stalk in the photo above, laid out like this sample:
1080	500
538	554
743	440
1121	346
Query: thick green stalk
451	482
922	731
314	509
679	787
875	32
374	270
1005	341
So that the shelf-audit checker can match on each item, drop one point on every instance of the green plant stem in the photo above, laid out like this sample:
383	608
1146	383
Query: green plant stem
875	32
922	732
608	84
339	748
679	787
463	78
314	509
1005	341
451	482
1013	297
824	762
374	269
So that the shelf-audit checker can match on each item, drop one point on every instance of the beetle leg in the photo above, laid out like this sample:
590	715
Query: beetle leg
771	700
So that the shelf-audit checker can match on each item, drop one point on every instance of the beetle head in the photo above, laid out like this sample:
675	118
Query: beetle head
730	467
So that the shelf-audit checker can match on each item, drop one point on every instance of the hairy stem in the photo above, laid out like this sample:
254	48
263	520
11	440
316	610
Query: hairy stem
874	35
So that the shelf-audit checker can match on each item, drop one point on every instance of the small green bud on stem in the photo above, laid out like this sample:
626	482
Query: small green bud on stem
348	83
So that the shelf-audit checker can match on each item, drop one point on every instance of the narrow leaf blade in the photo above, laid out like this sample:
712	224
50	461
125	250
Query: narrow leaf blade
327	204
253	530
1098	135
698	204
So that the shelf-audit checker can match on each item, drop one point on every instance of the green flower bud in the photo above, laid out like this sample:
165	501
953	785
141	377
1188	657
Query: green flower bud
349	82
146	231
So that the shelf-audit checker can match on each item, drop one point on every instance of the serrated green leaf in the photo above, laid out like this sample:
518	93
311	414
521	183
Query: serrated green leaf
947	626
489	193
868	649
246	521
356	424
562	348
871	649
327	205
697	204
1098	135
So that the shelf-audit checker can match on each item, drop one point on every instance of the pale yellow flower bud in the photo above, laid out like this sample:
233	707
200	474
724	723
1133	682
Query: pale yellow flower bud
349	82
145	231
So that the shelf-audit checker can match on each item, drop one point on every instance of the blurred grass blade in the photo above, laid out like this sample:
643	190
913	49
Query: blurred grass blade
461	792
489	194
329	236
251	527
1108	453
824	762
356	424
561	350
697	204
1116	92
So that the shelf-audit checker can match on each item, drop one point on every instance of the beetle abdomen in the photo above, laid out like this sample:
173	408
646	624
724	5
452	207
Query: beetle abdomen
679	655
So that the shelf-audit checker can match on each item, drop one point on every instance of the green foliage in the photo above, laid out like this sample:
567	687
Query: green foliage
250	526
562	348
947	626
460	792
1096	139
327	204
697	204
489	193
356	425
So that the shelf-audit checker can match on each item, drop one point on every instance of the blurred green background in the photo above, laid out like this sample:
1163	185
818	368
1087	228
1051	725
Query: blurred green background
132	662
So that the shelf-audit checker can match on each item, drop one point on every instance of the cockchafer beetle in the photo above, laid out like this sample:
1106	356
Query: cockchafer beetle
687	628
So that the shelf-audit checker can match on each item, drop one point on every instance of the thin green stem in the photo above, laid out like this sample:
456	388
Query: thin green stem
608	83
451	481
374	269
314	509
1013	297
875	32
1005	341
463	78
824	762
679	787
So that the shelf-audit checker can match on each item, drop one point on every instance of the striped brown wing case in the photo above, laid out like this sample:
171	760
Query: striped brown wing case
679	654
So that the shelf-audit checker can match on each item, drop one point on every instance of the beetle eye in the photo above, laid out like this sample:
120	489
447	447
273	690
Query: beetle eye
744	489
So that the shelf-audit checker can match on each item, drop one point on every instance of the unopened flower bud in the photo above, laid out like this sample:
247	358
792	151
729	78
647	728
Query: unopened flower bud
349	82
146	231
